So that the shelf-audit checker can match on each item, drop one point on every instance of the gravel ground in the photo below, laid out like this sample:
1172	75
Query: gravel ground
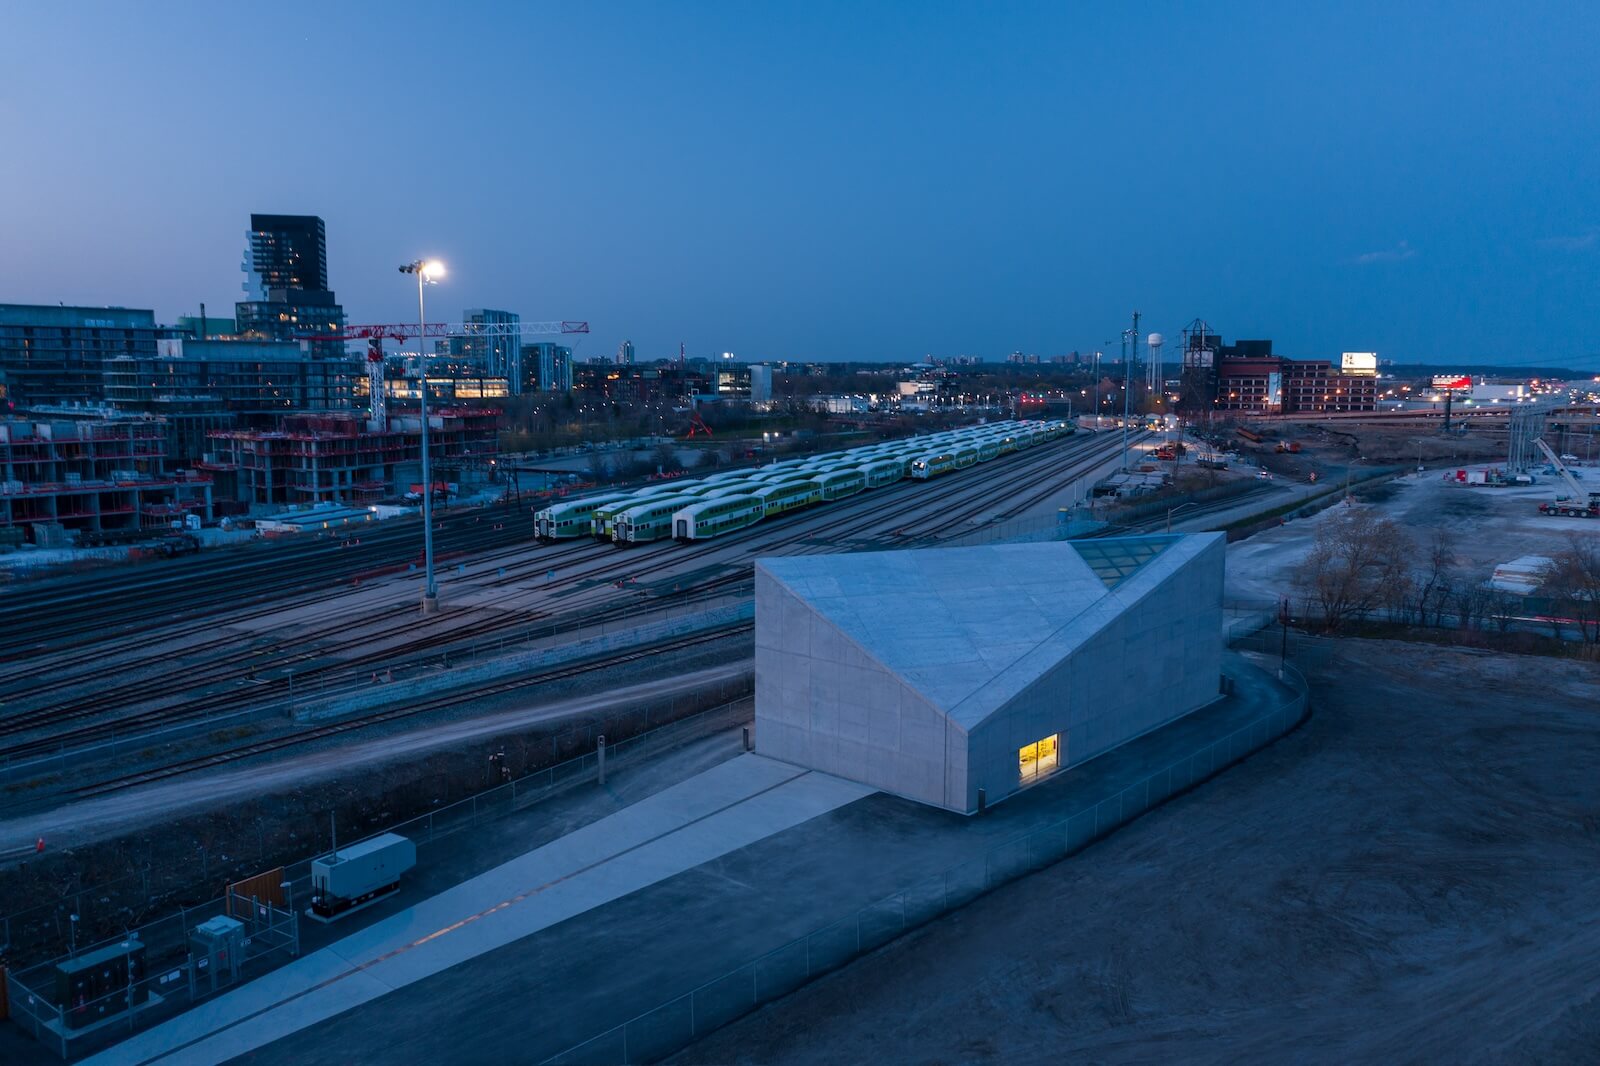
1411	876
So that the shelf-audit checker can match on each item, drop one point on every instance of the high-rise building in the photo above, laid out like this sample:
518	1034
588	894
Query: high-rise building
286	283
56	355
546	367
492	345
286	252
625	353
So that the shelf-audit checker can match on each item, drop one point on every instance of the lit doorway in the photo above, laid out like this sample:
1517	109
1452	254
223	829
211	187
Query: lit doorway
1039	758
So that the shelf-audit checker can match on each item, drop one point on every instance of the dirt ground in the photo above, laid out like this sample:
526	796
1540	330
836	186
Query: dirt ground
1410	877
1487	527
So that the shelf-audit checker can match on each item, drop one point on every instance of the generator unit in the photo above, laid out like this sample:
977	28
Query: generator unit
359	875
101	983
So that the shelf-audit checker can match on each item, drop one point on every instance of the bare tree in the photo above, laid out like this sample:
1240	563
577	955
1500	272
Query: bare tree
1357	562
1437	580
1573	583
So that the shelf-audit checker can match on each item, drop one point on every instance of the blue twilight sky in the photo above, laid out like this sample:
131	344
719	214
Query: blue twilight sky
834	180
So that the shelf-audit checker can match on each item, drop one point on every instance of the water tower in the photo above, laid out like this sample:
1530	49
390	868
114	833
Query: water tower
1157	374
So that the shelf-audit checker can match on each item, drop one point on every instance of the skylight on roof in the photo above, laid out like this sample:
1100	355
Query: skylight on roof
1115	559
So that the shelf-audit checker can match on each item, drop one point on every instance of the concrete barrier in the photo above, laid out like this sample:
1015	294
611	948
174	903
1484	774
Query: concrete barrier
525	662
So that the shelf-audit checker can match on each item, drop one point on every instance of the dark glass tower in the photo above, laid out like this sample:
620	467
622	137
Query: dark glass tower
286	282
288	252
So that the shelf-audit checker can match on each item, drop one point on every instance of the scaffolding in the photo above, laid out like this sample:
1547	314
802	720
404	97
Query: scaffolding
1527	426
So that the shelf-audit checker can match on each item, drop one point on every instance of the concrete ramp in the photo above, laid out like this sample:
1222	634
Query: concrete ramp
712	814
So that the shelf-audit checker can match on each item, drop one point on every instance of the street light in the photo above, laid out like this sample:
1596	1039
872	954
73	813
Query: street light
428	272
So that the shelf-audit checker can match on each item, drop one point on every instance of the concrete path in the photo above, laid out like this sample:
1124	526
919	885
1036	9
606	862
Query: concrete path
530	999
726	808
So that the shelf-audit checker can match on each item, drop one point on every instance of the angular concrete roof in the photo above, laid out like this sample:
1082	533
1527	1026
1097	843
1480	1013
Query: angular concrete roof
969	628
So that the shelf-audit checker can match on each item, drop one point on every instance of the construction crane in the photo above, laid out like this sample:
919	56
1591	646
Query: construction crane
1583	503
400	331
376	333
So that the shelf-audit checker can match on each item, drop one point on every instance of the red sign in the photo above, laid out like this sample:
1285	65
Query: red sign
1453	382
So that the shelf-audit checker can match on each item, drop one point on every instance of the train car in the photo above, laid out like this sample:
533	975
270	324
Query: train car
650	520
716	516
838	484
988	449
966	455
601	522
574	518
727	475
788	496
729	488
881	472
927	466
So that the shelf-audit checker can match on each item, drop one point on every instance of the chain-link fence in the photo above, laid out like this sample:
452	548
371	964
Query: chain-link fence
95	996
114	908
685	1017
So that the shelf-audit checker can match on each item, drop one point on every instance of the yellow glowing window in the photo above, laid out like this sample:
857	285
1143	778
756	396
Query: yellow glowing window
1039	758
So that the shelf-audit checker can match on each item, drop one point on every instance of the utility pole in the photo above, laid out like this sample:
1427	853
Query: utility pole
1097	390
1130	348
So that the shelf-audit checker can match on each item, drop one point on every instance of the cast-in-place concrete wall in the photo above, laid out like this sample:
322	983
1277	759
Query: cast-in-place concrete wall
1131	659
823	703
1157	658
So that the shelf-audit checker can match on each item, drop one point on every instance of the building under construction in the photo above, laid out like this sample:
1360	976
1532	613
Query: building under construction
344	458
95	473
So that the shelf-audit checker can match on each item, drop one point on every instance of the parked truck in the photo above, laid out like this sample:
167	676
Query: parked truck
1579	503
359	875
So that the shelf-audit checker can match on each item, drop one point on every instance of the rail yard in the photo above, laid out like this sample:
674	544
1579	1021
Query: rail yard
264	630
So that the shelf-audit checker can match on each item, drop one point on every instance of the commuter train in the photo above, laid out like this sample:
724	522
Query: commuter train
712	518
691	509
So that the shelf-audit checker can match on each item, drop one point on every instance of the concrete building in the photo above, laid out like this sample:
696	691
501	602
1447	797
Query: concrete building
625	354
200	386
942	674
56	355
343	459
92	471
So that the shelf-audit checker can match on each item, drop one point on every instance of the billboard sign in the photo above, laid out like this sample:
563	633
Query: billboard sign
1359	363
1275	389
1453	382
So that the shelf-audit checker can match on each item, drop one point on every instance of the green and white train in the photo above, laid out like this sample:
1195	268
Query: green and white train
692	509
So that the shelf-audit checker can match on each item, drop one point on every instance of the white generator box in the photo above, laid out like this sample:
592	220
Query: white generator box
360	874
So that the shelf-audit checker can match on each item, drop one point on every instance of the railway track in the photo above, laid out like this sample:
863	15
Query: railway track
225	688
308	736
64	610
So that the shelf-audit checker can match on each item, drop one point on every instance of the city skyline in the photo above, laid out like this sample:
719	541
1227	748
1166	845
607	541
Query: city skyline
830	183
